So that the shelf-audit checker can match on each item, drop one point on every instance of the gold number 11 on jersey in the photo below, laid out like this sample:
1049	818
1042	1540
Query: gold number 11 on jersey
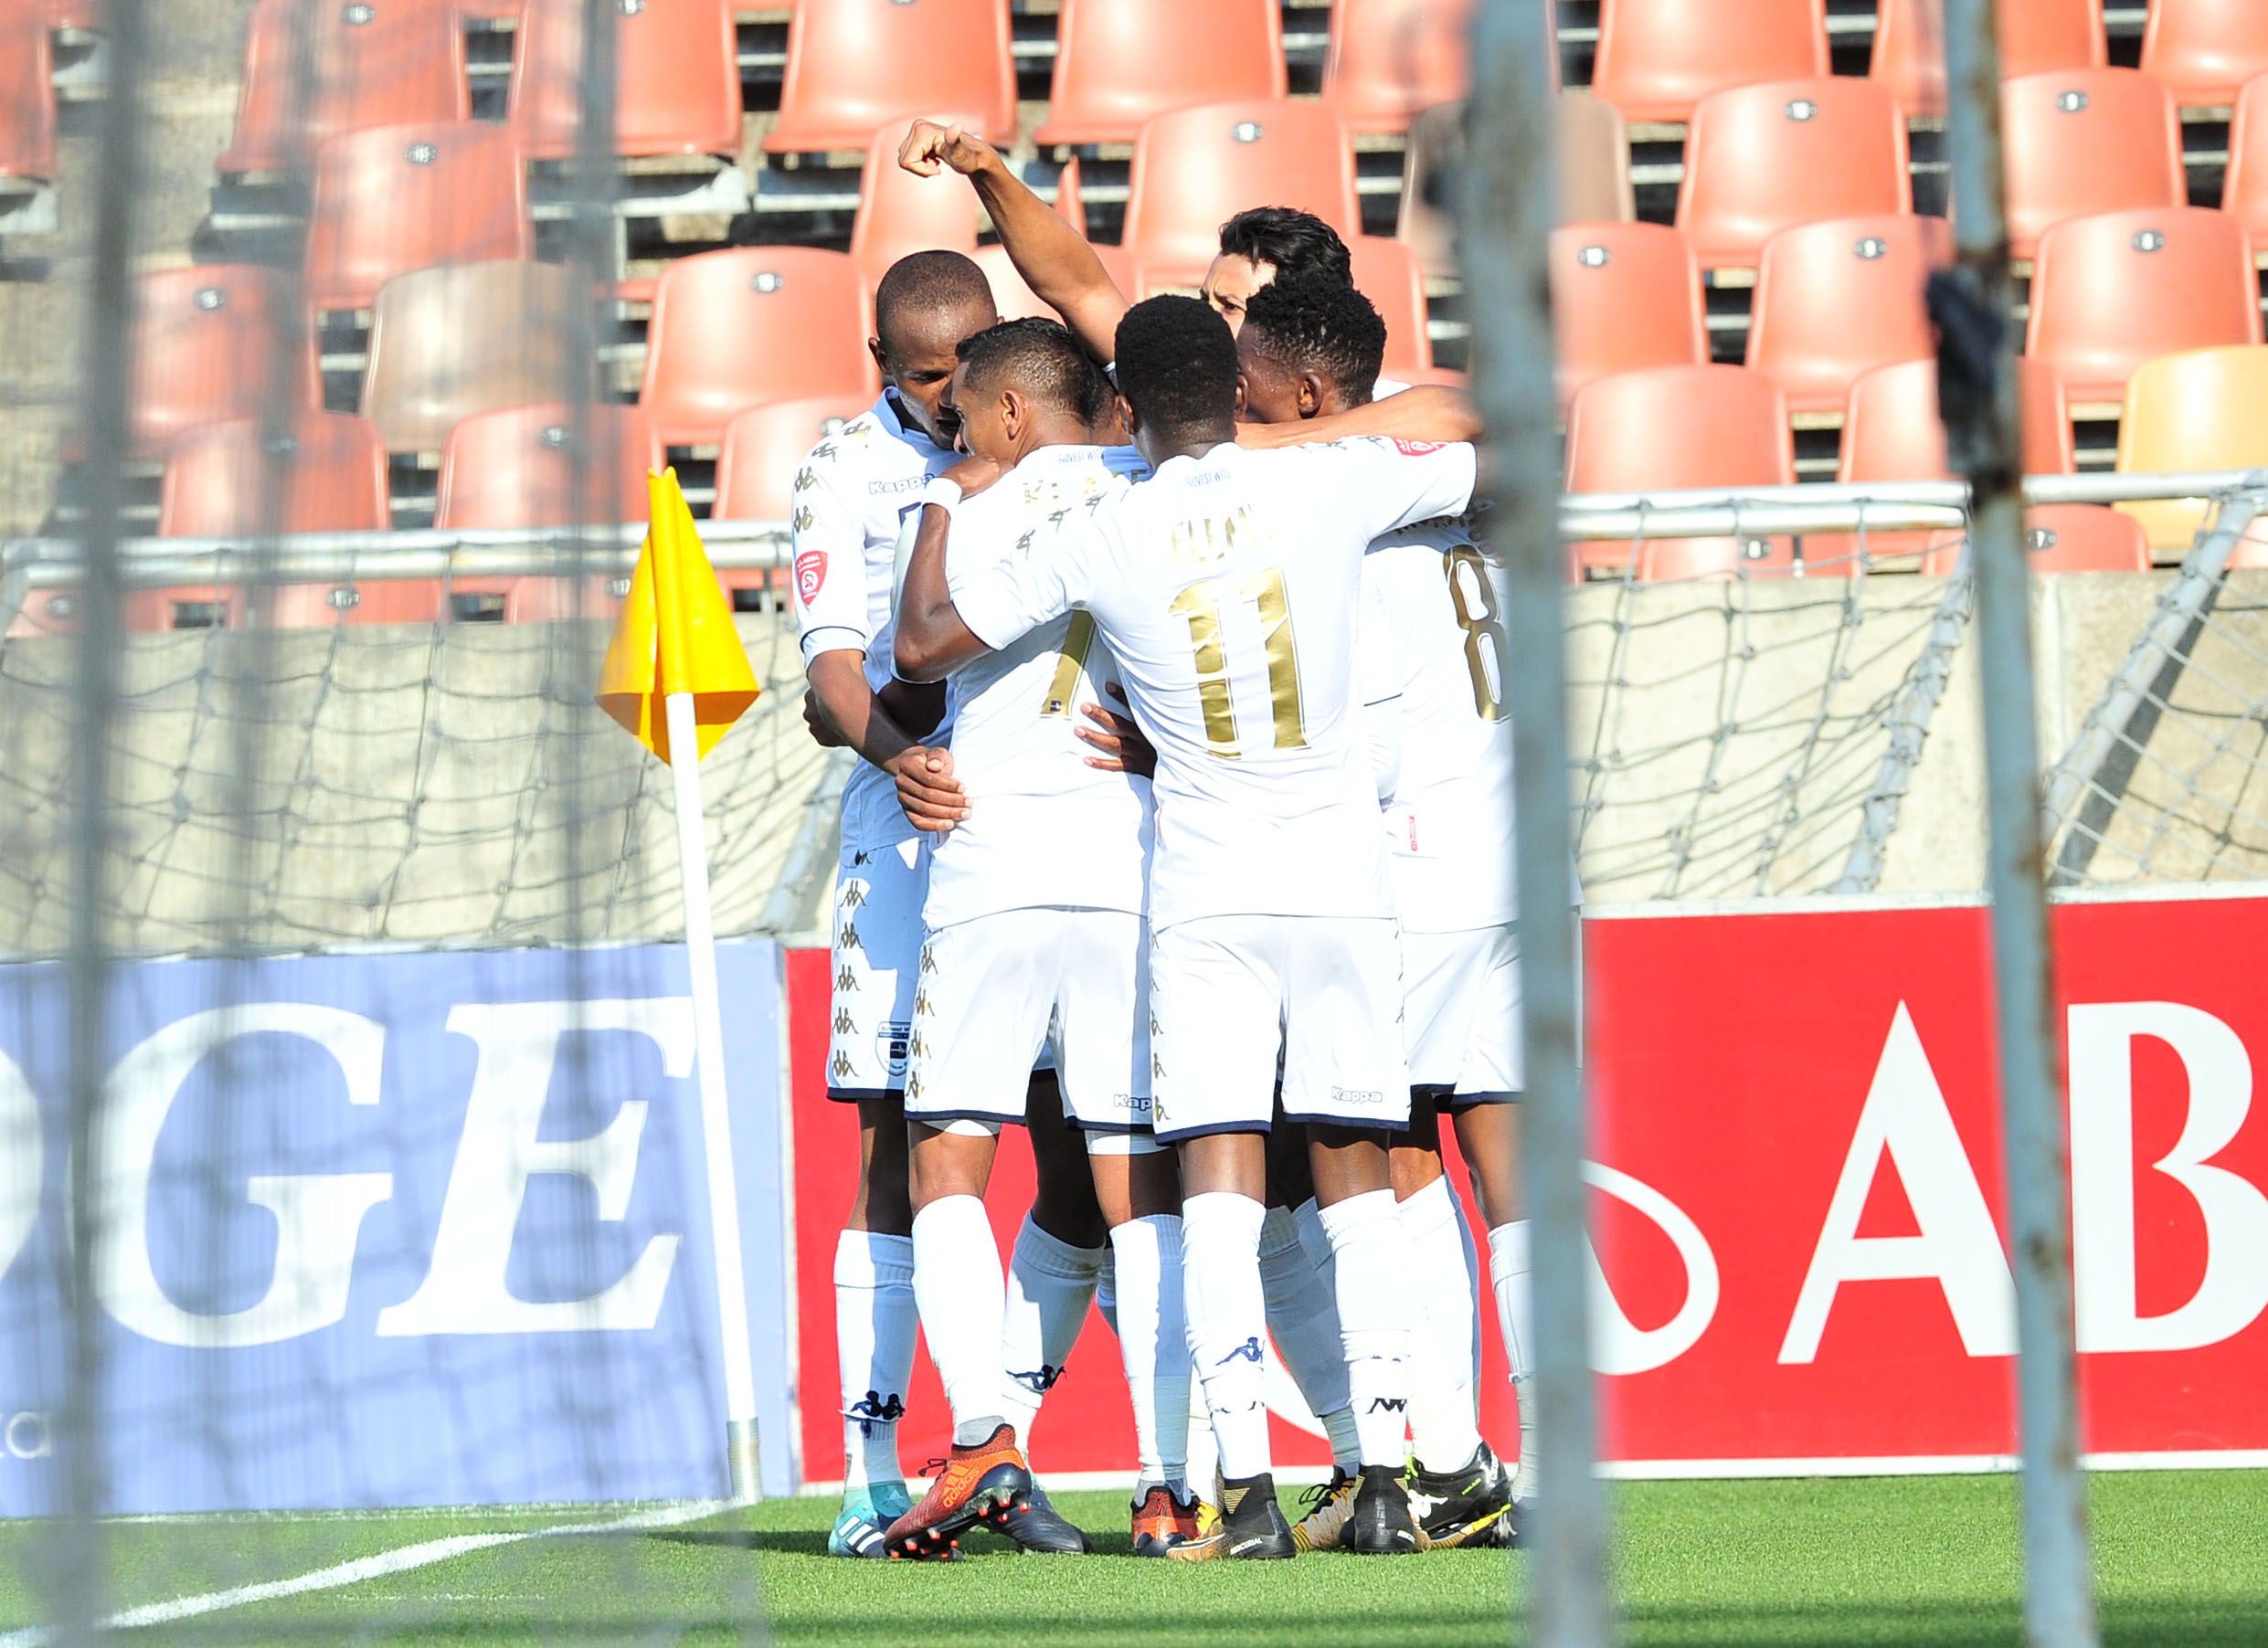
1201	605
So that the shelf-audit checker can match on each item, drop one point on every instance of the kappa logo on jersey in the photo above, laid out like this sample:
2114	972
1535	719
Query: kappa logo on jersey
928	959
811	567
855	893
844	978
849	941
844	1023
806	478
804	521
1417	448
922	1009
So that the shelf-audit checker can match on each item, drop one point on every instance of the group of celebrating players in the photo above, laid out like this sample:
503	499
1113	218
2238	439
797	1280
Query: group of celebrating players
1182	836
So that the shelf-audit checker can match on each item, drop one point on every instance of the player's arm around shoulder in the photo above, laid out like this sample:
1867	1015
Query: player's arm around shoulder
931	639
1424	412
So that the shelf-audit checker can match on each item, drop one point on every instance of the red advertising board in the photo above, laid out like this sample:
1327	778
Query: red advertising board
1797	1204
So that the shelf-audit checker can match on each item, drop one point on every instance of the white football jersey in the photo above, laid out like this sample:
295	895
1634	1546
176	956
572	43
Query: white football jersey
1044	828
1227	586
1434	653
854	489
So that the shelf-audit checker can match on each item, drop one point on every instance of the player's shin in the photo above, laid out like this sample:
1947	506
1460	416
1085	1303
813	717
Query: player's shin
875	1324
956	1279
1371	1260
1515	1310
1443	1316
1227	1315
1153	1337
1303	1319
1050	1284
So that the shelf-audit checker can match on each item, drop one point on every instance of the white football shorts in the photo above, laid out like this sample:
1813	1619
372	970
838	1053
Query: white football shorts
877	941
1461	1014
1228	994
997	990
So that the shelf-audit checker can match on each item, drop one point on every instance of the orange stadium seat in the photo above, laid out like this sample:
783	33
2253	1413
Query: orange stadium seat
1762	158
210	343
2066	537
374	63
219	484
1118	62
1672	427
1388	273
2039	34
1656	58
517	467
2244	195
899	213
1909	59
1625	297
755	323
2206	49
1891	432
1016	301
2109	293
2035	35
2201	409
855	66
1390	58
1593	161
83	17
763	447
1195	168
676	77
1837	297
394	198
218	479
26	97
2084	141
470	337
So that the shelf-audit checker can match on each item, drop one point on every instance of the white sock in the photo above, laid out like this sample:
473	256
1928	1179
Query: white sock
874	1324
1373	1267
1303	1320
1227	1314
1443	1429
1515	1314
1050	1286
956	1279
1204	1453
1153	1338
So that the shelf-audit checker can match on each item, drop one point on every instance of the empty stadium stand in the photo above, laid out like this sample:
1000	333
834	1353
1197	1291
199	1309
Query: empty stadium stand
899	213
2111	291
1765	157
1196	166
1119	62
1625	297
2206	49
758	323
391	199
1658	58
677	71
215	342
327	474
470	337
855	65
2087	140
1838	298
519	465
369	63
2068	537
1391	60
1389	274
2198	410
27	153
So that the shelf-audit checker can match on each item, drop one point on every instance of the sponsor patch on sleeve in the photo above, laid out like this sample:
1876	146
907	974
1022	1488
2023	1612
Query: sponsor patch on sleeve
1418	448
811	574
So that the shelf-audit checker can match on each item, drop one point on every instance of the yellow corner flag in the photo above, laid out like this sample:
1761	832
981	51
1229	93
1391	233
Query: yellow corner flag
675	635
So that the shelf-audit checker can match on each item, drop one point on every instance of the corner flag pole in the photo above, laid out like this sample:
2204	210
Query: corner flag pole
675	641
1976	394
1503	229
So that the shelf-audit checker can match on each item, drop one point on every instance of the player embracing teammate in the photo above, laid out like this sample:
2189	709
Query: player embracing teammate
1277	676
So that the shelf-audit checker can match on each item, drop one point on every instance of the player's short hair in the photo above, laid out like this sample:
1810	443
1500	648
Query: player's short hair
1043	359
1296	242
1177	364
1314	324
931	281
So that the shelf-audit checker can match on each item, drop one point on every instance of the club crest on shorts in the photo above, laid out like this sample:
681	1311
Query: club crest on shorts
890	1041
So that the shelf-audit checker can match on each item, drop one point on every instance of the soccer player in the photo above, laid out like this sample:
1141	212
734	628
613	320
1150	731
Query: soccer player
1433	649
1226	587
851	495
1034	935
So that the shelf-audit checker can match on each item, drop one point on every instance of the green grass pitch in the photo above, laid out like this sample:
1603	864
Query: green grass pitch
2182	1559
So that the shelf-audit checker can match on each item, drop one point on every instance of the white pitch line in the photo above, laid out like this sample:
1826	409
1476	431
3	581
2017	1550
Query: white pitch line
400	1560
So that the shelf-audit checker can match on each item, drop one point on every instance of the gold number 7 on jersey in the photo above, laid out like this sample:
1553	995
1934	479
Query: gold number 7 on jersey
1200	604
1077	641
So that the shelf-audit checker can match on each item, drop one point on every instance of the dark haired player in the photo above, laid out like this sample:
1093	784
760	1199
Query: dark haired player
1226	587
851	495
1432	656
1035	937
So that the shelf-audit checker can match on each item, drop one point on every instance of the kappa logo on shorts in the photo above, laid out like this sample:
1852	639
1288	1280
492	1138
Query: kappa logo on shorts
917	1048
844	1023
1356	1096
1130	1101
842	1069
1153	1026
1156	1067
913	1085
844	978
922	1009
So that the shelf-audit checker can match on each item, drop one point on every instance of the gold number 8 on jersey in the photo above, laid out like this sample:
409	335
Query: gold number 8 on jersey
1474	594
